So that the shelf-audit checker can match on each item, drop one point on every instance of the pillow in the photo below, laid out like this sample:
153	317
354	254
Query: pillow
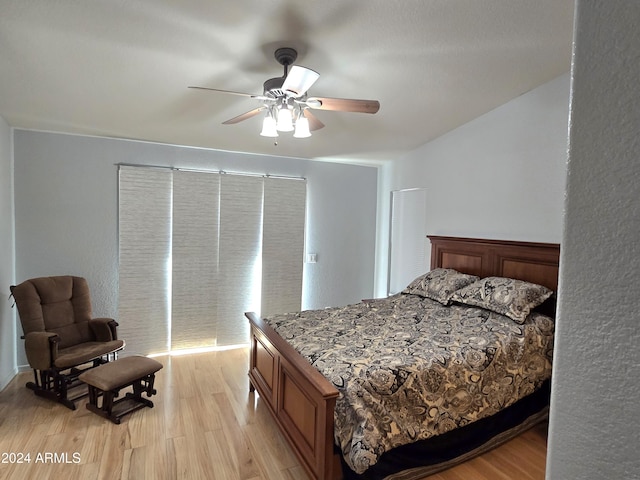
506	296
439	284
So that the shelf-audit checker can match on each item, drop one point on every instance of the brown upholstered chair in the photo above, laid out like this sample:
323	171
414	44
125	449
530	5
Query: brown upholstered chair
62	340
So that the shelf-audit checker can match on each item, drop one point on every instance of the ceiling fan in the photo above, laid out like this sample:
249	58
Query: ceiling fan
286	102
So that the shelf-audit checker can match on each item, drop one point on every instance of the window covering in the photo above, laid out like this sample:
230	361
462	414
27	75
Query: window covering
144	258
198	249
240	229
282	245
194	273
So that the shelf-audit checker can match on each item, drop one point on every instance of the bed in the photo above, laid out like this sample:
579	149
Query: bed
321	415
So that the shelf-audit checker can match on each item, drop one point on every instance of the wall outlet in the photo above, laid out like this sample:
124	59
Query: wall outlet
312	257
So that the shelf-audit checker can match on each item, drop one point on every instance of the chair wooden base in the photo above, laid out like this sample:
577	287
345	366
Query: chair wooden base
106	382
63	386
56	395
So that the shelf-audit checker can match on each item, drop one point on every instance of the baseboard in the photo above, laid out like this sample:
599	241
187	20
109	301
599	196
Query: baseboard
7	379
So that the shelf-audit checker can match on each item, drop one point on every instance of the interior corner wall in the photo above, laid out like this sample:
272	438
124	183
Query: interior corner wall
66	189
500	176
595	412
7	273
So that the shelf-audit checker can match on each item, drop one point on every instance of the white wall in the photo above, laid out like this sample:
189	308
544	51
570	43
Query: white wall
499	176
7	315
595	406
66	212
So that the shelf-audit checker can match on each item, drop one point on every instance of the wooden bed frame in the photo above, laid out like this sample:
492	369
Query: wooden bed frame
302	400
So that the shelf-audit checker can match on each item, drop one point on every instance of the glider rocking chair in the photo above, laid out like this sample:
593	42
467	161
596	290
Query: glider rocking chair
62	340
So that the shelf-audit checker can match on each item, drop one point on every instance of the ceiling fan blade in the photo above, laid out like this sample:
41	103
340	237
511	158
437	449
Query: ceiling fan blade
223	91
244	116
299	80
241	94
314	123
343	104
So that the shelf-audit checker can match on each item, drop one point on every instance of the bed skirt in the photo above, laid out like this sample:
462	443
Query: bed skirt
426	457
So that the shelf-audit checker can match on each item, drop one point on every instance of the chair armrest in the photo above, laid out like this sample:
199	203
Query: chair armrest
41	349
104	329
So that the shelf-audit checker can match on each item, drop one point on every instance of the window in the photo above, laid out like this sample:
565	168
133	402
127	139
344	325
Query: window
198	249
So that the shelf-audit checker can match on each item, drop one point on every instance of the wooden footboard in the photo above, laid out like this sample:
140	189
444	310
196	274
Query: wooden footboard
301	400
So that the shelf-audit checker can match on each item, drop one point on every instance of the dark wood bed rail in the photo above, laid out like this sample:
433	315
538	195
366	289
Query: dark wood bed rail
301	400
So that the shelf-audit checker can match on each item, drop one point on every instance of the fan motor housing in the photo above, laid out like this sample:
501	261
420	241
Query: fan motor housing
273	86
285	57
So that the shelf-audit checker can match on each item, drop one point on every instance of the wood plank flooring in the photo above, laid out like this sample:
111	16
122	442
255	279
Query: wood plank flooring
205	425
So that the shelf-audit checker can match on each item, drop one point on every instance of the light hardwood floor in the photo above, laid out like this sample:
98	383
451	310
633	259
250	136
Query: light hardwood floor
205	425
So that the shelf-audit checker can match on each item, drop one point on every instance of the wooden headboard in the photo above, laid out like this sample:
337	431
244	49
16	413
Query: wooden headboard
529	261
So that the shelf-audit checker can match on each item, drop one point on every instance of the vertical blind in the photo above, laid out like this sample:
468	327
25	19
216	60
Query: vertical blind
194	256
282	245
240	227
198	249
144	258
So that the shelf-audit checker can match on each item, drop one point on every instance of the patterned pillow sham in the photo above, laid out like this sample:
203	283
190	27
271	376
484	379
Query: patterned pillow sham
439	284
506	296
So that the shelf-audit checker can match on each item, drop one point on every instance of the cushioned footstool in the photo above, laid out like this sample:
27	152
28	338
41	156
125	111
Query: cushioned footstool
107	380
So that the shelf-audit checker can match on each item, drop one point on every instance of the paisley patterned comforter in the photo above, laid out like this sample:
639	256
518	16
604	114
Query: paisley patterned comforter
408	368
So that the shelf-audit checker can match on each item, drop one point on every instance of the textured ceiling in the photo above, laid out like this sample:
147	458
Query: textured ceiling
121	68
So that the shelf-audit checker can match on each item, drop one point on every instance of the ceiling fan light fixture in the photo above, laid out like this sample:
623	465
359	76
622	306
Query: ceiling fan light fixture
285	120
302	128
269	126
288	104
